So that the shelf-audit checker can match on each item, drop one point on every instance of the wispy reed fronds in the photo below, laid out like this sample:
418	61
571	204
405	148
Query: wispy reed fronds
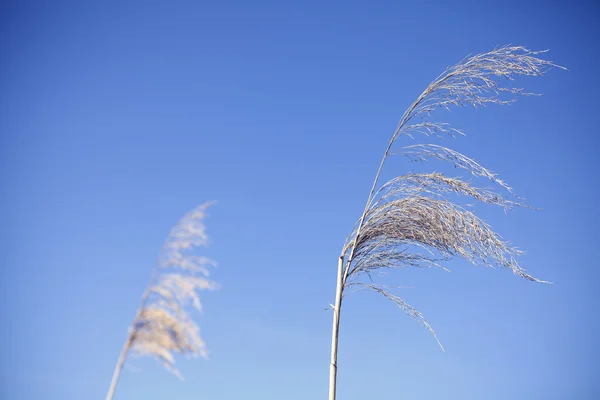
162	327
410	221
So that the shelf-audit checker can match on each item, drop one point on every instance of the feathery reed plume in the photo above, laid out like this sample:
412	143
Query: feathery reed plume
161	327
408	221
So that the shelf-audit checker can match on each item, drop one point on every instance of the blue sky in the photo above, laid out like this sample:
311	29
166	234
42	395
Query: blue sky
117	118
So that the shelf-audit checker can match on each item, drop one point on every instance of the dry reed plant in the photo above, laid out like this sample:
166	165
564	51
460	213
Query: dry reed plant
409	221
162	327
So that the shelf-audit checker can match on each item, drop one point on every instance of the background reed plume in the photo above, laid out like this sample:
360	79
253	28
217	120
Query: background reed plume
410	220
162	327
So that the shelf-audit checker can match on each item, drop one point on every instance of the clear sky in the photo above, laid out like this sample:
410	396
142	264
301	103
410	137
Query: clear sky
117	118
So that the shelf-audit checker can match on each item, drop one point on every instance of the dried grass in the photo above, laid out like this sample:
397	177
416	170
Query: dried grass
162	328
413	211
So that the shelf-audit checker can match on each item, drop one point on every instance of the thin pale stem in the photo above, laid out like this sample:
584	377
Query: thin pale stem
119	366
127	346
335	330
343	273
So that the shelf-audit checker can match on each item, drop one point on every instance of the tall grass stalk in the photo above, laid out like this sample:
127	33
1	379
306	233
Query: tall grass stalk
408	221
161	327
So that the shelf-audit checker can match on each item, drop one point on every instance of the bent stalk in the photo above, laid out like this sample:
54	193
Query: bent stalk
412	210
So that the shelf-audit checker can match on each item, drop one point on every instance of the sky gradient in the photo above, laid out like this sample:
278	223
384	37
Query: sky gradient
117	118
